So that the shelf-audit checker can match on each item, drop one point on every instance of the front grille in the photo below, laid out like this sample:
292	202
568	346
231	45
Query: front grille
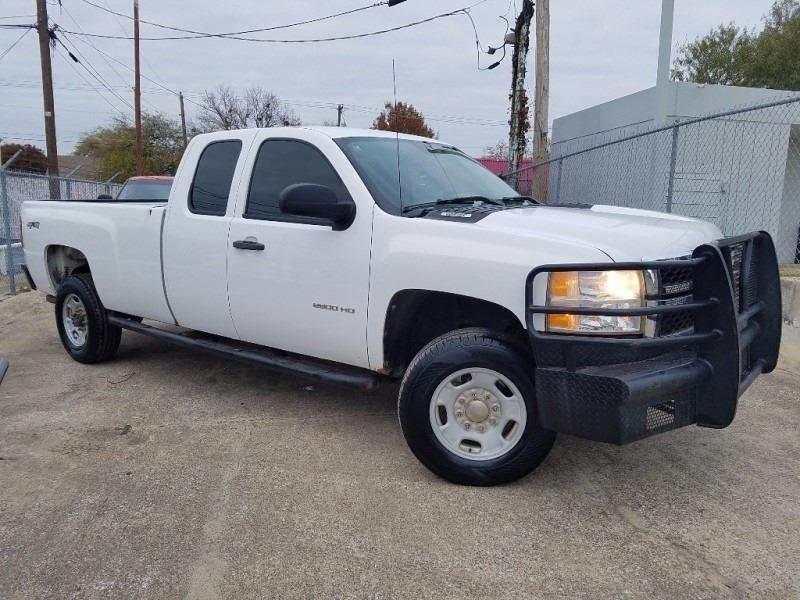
673	286
743	267
735	257
676	281
677	322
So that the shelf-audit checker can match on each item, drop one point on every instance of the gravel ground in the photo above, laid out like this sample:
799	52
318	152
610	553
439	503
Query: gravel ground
168	473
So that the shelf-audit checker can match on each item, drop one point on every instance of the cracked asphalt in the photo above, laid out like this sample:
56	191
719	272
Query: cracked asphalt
171	474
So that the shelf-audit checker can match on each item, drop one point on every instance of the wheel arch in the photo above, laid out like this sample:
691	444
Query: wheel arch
434	313
63	261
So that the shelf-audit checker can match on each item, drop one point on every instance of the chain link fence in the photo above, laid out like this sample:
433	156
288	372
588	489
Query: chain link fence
17	187
739	169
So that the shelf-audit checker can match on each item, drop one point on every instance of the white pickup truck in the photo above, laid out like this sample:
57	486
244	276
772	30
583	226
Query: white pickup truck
353	256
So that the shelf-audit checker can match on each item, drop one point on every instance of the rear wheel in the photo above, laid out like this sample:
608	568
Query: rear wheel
468	411
82	321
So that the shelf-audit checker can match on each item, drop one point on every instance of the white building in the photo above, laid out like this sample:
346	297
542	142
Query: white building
741	171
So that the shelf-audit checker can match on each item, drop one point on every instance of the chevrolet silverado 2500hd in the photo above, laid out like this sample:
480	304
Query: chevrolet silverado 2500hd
351	256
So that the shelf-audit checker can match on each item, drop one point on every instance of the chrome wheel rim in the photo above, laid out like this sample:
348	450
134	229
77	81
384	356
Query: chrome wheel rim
478	414
73	316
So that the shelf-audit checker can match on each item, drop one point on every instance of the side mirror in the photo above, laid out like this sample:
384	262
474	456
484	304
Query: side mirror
318	201
3	367
105	197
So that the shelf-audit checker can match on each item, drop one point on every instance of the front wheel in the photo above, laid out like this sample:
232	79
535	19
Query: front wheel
468	411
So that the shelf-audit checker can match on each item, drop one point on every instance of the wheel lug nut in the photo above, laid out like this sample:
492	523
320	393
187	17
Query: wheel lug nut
459	413
495	408
467	426
481	428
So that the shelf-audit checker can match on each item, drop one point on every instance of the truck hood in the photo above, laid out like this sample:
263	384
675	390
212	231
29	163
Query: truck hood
624	234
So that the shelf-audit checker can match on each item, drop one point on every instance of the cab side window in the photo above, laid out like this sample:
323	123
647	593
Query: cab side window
281	163
212	180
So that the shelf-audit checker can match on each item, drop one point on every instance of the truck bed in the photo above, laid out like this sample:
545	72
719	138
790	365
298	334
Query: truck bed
121	240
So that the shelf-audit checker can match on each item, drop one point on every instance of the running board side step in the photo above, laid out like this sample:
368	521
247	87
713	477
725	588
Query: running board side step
317	370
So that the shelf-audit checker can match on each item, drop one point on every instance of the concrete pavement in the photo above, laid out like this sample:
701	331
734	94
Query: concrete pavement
172	474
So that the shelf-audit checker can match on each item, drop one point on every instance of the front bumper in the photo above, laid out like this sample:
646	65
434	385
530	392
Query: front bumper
619	390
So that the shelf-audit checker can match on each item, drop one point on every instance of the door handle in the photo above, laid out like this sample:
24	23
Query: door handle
249	245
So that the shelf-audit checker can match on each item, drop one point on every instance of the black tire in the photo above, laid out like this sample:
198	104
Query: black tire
444	357
102	339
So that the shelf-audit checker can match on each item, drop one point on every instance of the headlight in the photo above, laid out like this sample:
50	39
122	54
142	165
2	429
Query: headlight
595	289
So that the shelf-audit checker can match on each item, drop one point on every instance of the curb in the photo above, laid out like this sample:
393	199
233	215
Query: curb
790	292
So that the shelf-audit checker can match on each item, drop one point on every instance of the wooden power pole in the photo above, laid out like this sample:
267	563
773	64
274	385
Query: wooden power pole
183	121
137	90
520	119
541	103
43	25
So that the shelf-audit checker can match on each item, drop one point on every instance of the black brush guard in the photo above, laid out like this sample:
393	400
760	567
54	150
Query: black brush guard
622	389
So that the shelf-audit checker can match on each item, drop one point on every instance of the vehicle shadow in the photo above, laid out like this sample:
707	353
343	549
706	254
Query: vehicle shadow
226	387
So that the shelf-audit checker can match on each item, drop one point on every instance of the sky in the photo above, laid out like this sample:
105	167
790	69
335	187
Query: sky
599	51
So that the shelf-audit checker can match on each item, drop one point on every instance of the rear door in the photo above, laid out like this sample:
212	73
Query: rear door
294	283
196	238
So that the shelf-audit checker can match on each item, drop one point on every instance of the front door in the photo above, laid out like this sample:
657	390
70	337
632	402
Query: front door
294	283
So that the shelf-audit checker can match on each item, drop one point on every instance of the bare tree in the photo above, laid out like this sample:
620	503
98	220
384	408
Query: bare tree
221	110
264	109
224	109
499	151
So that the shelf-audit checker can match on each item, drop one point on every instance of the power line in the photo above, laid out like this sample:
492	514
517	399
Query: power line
89	68
150	79
318	104
91	44
60	109
452	13
122	29
205	34
17	41
97	91
125	85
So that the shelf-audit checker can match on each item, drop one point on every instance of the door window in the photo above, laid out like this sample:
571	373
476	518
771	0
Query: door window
281	163
212	180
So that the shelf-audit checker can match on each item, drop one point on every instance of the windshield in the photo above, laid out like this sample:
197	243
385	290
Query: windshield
145	190
429	172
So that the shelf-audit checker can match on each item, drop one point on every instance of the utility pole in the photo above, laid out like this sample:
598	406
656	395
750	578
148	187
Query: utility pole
541	103
520	118
339	112
137	93
183	121
664	86
43	25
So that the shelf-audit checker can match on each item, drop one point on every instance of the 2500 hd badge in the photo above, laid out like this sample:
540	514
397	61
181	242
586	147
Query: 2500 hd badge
332	308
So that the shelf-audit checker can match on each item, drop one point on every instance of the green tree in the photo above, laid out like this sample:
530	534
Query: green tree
732	55
32	159
114	147
403	118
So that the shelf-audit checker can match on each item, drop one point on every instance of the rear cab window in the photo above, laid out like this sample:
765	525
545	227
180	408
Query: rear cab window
146	190
211	186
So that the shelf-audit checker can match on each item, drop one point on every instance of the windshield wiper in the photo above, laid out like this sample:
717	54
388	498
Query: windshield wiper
521	199
426	206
